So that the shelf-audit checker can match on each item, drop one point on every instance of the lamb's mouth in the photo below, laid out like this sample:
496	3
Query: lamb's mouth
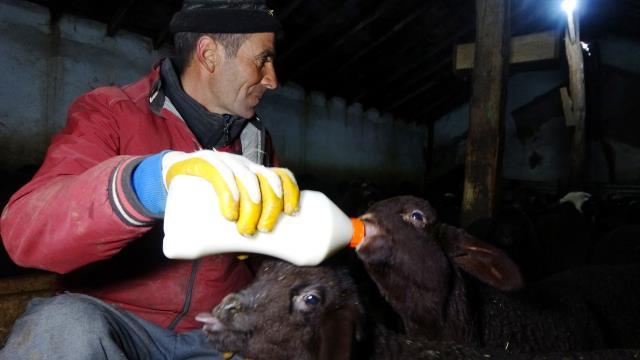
214	326
210	323
227	341
371	229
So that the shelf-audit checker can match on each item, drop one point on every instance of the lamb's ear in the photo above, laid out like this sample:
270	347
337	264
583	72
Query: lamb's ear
338	332
486	262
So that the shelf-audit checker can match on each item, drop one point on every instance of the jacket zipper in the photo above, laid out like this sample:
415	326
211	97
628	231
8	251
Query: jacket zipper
187	299
227	128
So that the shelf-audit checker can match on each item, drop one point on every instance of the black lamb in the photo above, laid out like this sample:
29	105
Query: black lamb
421	267
292	312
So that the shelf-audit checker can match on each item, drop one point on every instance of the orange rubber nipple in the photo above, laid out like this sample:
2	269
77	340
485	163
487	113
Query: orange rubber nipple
358	232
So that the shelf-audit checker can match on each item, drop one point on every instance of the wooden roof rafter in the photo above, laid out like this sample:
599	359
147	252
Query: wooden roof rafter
382	9
382	39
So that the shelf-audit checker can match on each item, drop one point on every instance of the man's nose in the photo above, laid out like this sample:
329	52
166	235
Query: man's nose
269	78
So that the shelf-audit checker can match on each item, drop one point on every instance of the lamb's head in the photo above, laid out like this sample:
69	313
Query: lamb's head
416	261
398	233
288	312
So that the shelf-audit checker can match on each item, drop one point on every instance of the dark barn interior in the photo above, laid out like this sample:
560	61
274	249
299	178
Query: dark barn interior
506	115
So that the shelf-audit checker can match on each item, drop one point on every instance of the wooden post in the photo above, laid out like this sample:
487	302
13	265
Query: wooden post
534	47
577	93
485	140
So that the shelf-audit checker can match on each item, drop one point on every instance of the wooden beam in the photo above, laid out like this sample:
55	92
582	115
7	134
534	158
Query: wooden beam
311	33
483	161
575	62
292	5
445	44
416	79
397	27
435	108
433	72
381	10
567	107
420	90
413	95
445	58
526	48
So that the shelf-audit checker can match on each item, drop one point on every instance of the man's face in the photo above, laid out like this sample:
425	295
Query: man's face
240	82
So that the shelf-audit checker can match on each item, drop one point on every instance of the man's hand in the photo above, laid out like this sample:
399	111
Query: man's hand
250	194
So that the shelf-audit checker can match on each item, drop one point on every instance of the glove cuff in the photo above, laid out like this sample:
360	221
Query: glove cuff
148	184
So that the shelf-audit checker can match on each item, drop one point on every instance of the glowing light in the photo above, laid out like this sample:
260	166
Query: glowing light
585	47
569	6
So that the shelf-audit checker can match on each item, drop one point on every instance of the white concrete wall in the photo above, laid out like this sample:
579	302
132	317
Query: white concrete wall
328	137
45	67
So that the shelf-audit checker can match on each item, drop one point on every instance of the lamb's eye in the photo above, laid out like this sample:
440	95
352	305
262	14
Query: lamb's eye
311	300
233	308
417	215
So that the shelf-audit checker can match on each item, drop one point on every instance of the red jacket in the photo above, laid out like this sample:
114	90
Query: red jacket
78	215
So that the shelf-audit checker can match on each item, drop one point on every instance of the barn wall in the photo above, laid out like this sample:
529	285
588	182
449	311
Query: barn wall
536	138
48	66
45	67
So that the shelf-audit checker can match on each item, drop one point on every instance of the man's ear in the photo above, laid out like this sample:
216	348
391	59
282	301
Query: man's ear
206	53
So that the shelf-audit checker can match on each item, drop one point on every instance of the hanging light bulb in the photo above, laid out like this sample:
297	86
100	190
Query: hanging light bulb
569	6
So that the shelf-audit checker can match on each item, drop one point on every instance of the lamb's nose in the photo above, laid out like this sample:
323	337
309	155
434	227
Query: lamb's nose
210	323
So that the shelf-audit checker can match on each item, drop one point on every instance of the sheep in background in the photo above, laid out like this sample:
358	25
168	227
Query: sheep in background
513	231
418	265
619	246
576	198
566	233
313	313
557	238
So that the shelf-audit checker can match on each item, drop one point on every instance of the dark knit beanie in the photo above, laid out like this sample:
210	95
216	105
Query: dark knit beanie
224	16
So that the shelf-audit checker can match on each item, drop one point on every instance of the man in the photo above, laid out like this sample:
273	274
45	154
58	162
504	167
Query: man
93	211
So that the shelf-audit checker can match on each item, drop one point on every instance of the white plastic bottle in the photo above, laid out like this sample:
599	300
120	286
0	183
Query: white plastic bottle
194	227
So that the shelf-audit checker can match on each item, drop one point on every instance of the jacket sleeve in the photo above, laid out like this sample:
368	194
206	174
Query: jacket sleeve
79	207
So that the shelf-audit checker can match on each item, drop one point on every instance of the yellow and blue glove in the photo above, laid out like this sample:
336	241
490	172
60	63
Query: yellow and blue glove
252	195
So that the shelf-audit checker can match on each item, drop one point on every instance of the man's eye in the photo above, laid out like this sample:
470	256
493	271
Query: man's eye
263	61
